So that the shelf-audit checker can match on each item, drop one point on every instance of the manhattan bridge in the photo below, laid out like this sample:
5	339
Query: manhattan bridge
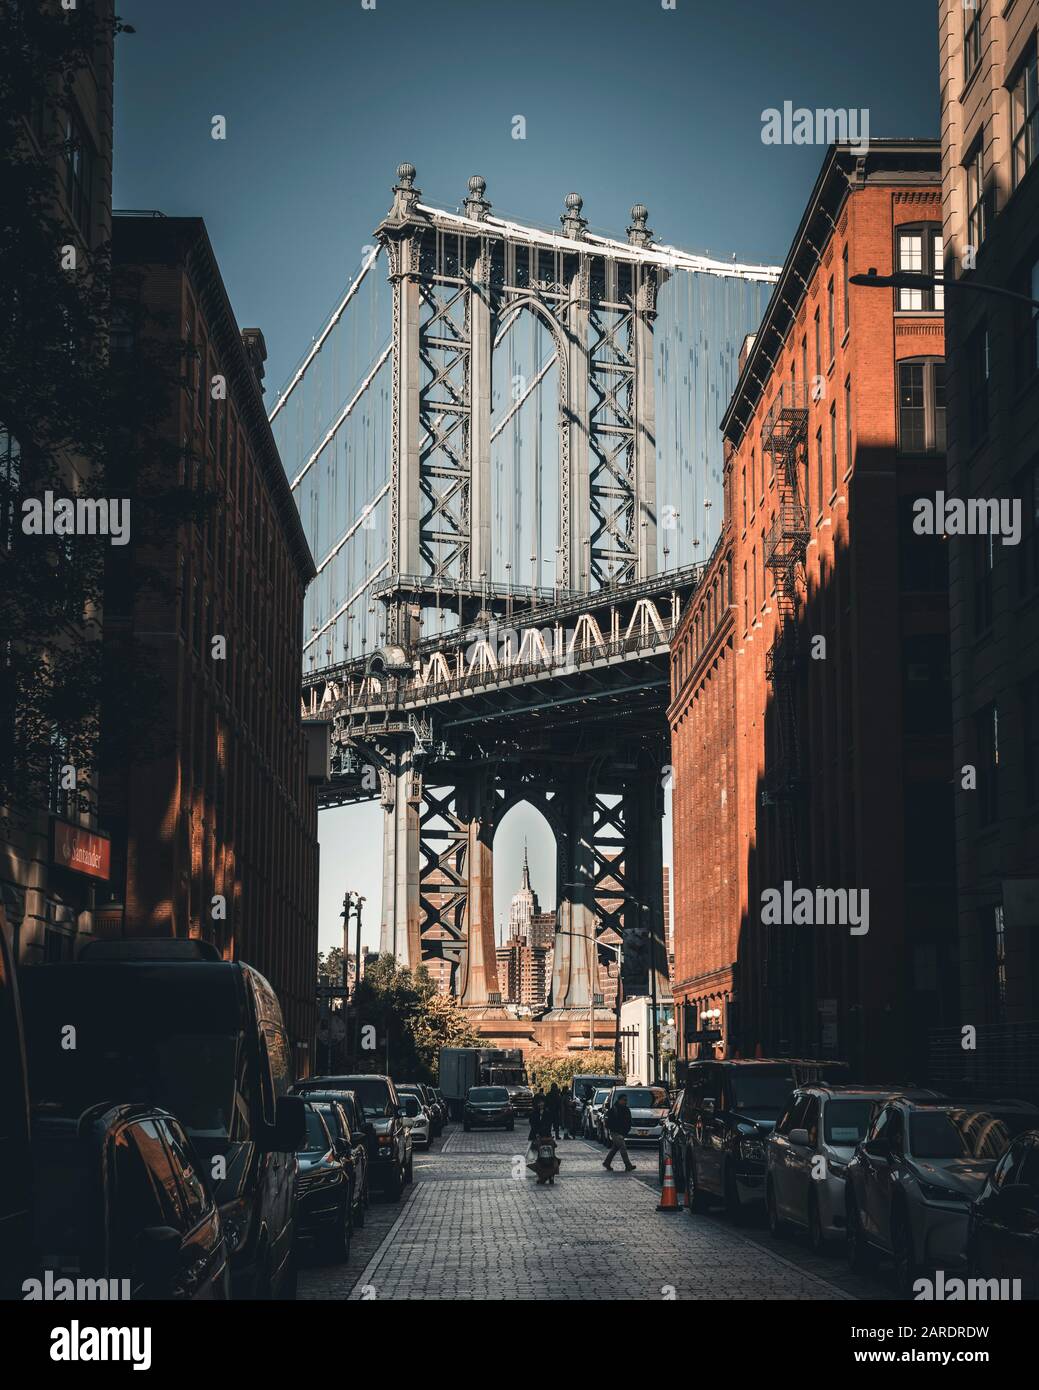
504	448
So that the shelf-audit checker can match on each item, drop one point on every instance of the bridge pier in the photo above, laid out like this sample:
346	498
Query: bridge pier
400	934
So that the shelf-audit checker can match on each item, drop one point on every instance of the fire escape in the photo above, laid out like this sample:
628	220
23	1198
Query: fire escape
785	436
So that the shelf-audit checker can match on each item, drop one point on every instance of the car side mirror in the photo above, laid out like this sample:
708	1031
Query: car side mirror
799	1137
877	1148
157	1254
289	1129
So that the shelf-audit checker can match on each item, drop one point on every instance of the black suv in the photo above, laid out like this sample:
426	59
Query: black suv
120	1193
169	1022
715	1133
345	1121
389	1140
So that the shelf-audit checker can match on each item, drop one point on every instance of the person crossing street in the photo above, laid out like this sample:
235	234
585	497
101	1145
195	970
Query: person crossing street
618	1124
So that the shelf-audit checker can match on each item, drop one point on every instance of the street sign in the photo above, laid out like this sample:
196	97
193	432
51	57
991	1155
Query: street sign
705	1035
331	1029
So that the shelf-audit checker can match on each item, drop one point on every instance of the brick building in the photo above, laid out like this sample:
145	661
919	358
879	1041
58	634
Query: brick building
990	158
50	906
810	712
217	837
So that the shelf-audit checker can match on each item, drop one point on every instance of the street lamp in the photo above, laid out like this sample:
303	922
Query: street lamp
918	280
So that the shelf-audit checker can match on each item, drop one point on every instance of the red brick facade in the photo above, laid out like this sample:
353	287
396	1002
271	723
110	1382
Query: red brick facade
226	811
831	774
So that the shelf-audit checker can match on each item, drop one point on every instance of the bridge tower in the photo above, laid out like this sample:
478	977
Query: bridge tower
459	282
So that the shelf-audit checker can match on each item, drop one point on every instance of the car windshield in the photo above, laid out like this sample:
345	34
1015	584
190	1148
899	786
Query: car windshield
330	1115
161	1037
760	1092
487	1095
593	1083
846	1121
964	1133
653	1098
600	1095
412	1105
316	1140
373	1095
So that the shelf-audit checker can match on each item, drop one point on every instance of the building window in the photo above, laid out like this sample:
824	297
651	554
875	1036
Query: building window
921	249
986	740
79	172
833	447
804	367
743	478
978	374
973	15
1030	704
754	579
999	945
753	480
1024	117
10	484
847	292
976	201
818	346
818	471
847	426
1027	490
1026	351
921	406
831	330
746	598
984	564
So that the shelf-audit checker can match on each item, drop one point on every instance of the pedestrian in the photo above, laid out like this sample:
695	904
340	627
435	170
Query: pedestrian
618	1123
554	1107
540	1121
573	1123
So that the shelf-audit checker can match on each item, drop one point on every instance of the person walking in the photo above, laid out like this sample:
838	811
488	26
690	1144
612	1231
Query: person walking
618	1123
554	1107
540	1120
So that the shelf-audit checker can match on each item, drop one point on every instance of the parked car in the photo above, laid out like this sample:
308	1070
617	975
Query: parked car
168	1023
648	1106
716	1138
425	1096
347	1130
389	1141
808	1153
584	1085
591	1115
909	1187
488	1107
324	1197
521	1098
15	1169
1003	1221
119	1194
417	1119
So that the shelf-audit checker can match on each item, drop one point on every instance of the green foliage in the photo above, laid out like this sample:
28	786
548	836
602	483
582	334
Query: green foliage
77	417
411	1016
562	1067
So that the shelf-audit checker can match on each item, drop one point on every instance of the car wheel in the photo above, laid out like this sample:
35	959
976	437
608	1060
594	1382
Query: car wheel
856	1245
395	1185
290	1278
776	1224
467	1128
660	1165
337	1245
902	1249
816	1238
511	1127
409	1170
733	1206
359	1211
697	1197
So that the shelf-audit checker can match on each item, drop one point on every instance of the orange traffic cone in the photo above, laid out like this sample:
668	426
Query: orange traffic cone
669	1195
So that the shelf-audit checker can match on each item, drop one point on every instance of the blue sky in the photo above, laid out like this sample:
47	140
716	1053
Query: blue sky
624	101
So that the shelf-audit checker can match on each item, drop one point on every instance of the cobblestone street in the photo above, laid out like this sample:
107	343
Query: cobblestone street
469	1228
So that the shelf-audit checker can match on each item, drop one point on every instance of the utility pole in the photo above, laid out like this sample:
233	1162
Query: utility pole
358	901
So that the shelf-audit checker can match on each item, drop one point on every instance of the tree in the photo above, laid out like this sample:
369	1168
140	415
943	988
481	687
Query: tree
412	1020
562	1067
78	419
